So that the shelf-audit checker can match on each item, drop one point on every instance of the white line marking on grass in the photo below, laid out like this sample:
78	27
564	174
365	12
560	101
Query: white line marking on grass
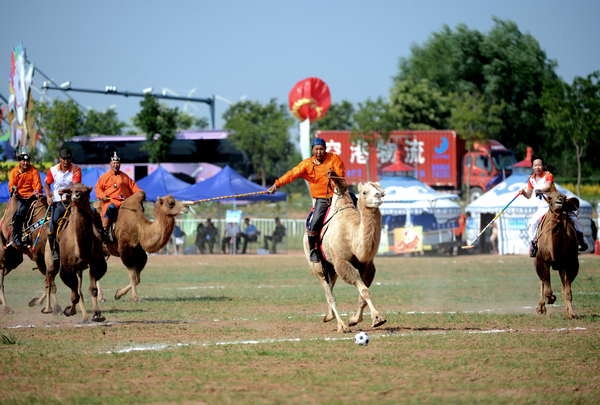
163	346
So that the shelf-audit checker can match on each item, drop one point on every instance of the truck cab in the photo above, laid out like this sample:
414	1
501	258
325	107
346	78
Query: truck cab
492	164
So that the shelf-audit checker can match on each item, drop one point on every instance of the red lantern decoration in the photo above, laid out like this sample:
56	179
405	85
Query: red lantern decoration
310	99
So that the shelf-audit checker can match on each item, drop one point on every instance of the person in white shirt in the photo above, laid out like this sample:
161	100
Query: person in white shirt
232	230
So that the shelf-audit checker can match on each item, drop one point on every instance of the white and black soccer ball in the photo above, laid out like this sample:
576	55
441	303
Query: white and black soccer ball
361	339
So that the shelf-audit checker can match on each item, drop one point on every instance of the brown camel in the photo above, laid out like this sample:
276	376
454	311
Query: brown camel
557	244
80	248
349	242
135	235
12	256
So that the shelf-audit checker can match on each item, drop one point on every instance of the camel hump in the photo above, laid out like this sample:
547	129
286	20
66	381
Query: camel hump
137	198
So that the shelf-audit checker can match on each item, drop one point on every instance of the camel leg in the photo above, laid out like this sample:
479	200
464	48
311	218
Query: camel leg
543	272
135	261
350	275
52	268
367	277
567	278
101	296
2	297
330	315
97	270
341	325
86	317
541	309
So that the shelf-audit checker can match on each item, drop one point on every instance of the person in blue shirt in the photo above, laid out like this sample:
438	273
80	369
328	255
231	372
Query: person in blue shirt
250	234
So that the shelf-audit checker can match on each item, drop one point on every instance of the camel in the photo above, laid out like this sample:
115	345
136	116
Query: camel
80	248
12	256
557	244
349	243
135	235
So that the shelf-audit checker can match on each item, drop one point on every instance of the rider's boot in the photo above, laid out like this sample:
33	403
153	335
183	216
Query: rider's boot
54	246
581	240
107	235
312	244
534	249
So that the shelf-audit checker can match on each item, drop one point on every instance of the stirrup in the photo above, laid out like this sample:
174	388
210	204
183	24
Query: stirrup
314	256
534	249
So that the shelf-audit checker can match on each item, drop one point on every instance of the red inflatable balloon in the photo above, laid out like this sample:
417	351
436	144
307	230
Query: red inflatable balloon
310	99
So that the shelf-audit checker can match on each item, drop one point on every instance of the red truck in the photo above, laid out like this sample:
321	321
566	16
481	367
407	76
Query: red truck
439	158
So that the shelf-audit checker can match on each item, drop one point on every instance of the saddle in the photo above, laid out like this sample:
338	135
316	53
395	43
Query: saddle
30	225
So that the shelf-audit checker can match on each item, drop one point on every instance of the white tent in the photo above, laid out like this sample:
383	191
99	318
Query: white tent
512	224
414	199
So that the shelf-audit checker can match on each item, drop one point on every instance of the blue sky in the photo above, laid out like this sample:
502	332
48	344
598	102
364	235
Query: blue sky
260	49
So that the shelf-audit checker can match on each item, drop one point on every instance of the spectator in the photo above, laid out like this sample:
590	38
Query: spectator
250	234
212	235
178	235
201	238
277	236
231	231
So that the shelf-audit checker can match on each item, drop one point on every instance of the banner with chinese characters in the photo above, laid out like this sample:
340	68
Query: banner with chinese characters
407	240
435	155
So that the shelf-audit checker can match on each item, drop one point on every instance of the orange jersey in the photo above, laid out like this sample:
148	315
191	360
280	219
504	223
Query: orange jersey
315	174
114	186
26	182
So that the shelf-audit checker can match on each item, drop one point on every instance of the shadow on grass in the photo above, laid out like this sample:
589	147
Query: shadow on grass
187	299
399	329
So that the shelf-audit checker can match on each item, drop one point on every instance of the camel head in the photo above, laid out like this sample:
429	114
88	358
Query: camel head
171	207
78	193
371	194
556	201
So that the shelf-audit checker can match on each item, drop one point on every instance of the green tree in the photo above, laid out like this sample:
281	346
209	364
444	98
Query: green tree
186	120
474	120
372	124
418	105
103	123
159	123
261	132
503	64
57	123
573	111
338	117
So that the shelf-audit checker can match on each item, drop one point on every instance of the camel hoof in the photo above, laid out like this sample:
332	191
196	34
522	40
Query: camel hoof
378	321
67	311
103	299
98	318
551	299
541	310
8	311
117	296
56	310
328	318
136	299
45	311
343	329
35	302
354	320
86	321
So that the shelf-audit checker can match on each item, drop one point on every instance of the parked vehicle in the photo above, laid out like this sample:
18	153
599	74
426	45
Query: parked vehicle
439	159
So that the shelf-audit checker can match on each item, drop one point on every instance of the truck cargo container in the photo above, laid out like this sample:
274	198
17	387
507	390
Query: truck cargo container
438	157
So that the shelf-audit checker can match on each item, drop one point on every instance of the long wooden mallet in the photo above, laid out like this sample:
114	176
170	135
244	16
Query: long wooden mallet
471	245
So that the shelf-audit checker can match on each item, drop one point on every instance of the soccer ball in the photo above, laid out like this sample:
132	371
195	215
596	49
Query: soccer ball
361	339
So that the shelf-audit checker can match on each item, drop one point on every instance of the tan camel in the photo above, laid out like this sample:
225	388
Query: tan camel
349	243
80	248
12	256
557	244
135	235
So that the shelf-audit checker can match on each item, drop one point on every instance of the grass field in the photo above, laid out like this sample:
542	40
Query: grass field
248	329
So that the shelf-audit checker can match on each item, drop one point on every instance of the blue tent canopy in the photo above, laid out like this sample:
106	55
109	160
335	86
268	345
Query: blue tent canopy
90	177
161	183
227	182
5	193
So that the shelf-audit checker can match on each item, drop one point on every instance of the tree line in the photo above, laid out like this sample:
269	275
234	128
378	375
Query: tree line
495	85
